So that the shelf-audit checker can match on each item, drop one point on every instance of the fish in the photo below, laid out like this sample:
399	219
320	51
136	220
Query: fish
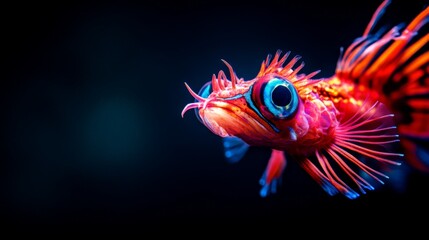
347	130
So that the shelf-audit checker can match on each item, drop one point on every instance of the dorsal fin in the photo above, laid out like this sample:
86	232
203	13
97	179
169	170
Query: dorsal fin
394	63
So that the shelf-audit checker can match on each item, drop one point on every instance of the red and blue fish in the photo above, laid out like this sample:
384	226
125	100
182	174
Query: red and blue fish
346	130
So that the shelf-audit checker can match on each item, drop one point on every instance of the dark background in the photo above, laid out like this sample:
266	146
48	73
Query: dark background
91	101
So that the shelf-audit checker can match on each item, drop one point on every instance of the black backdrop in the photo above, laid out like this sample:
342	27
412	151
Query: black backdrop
91	101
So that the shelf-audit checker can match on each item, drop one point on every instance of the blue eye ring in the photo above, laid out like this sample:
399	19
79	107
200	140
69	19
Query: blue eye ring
204	92
280	97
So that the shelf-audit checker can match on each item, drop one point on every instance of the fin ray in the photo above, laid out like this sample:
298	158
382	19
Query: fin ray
368	135
394	64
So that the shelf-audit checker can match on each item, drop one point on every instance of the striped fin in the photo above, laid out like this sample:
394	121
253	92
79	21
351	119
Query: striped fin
394	63
361	155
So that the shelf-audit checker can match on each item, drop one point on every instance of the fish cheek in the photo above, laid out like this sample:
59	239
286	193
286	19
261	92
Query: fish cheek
267	114
300	123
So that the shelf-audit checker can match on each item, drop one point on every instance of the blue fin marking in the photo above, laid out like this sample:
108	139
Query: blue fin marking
270	188
423	154
235	148
329	188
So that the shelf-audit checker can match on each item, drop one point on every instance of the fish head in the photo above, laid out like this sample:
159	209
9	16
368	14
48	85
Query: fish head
260	111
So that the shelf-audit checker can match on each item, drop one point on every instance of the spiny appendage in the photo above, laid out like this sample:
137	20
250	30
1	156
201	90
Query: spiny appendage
368	134
276	66
221	82
200	101
221	87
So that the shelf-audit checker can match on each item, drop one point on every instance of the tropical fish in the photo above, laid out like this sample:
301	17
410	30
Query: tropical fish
346	130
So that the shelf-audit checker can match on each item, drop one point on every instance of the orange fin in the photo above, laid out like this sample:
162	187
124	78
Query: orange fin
363	144
394	64
272	175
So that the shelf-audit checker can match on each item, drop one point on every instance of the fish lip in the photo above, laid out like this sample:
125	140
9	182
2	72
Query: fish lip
218	116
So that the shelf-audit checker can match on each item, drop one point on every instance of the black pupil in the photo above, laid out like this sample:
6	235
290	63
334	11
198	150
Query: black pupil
281	96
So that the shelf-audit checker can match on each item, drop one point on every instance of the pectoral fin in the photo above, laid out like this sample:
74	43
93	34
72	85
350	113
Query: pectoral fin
235	148
272	175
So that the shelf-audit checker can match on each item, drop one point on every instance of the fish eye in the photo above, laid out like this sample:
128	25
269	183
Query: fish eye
280	97
204	92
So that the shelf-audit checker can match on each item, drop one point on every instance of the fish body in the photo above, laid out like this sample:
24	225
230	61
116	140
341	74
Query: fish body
343	130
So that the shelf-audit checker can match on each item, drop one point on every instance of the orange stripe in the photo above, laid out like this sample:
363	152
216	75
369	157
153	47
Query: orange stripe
418	21
422	59
389	54
414	48
366	58
350	54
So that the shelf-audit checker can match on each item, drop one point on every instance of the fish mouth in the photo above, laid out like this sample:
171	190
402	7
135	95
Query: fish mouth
226	119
